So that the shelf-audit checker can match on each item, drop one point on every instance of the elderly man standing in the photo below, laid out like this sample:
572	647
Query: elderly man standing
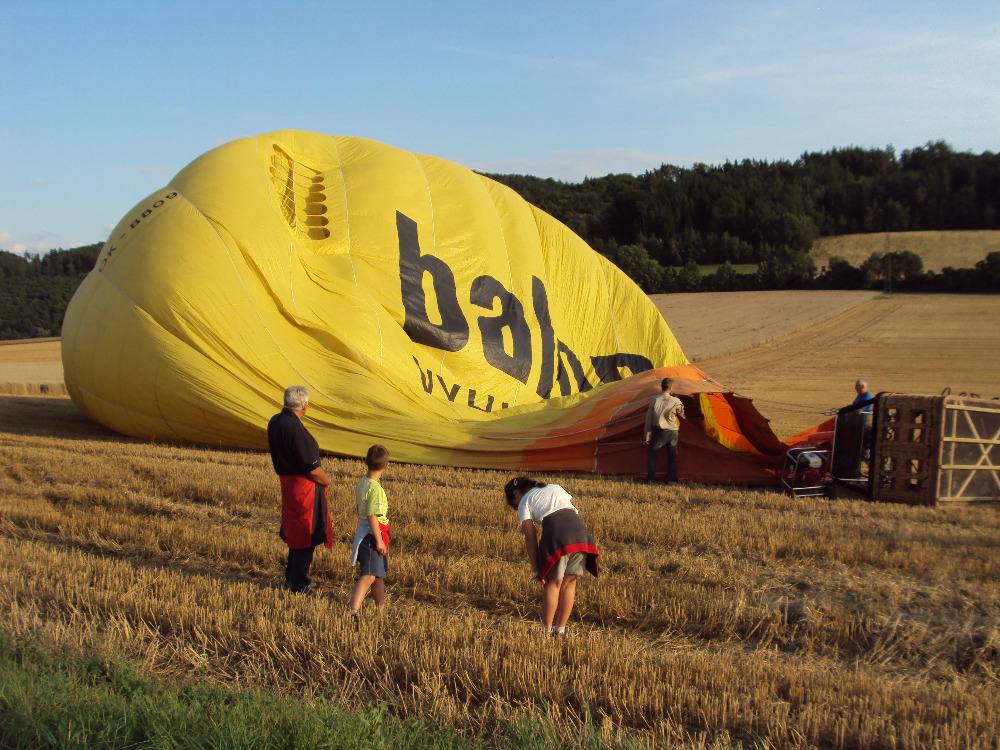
663	429
865	399
305	513
864	396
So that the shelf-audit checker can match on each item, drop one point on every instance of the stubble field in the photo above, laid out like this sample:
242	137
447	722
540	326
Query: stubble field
723	617
797	354
937	249
33	366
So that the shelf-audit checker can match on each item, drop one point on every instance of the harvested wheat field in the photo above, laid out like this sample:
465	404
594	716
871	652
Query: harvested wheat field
907	343
722	617
711	324
937	249
31	366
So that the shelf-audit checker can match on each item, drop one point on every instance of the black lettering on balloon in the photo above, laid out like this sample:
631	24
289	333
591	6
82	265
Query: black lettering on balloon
449	392
486	289
540	302
565	354
608	366
426	381
472	402
453	331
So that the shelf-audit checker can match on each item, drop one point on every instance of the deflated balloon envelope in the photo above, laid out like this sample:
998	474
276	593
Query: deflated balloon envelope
425	307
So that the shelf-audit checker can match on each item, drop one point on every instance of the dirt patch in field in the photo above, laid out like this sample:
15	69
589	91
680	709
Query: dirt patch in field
26	366
710	324
910	343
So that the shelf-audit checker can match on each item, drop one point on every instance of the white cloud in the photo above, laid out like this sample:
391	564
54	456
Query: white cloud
575	165
33	242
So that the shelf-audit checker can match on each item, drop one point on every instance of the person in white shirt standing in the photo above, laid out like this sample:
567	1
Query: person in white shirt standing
565	550
663	429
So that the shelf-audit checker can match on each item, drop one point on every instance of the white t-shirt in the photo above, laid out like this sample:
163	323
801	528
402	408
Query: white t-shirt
539	502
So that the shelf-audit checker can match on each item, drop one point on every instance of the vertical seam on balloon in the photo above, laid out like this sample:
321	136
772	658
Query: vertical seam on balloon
269	188
614	332
611	309
76	338
430	204
118	370
506	251
156	399
291	285
350	255
347	207
604	430
247	295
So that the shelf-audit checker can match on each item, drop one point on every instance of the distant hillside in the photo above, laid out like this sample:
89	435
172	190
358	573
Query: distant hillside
35	290
958	249
770	213
738	226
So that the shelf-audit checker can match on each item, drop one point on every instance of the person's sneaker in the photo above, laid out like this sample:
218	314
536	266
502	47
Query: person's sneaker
308	590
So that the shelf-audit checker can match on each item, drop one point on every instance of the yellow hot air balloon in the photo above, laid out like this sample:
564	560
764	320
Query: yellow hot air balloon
424	306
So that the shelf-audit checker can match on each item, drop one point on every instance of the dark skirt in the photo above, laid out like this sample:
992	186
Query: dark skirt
564	533
370	562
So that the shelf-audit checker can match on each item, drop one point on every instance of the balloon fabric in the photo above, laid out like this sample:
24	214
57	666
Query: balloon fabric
424	306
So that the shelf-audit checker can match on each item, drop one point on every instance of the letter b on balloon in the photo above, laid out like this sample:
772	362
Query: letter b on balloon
453	331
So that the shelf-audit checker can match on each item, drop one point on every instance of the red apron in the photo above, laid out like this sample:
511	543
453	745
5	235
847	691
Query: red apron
298	498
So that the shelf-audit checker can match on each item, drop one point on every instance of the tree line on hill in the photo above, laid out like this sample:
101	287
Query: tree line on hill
893	271
661	227
35	290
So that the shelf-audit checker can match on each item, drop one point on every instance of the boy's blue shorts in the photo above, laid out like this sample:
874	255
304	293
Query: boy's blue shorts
370	562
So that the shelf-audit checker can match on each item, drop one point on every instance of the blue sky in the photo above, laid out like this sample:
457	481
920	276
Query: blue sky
104	102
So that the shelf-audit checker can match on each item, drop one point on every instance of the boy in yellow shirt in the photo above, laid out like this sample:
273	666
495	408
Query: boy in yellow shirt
370	549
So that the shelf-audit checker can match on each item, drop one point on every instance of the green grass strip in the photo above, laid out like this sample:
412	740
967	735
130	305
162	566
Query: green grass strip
50	699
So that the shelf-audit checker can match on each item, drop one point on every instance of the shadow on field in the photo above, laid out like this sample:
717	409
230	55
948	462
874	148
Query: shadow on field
60	418
51	417
139	559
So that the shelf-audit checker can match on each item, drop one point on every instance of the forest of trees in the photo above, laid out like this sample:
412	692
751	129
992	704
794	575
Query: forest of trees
660	226
34	291
663	226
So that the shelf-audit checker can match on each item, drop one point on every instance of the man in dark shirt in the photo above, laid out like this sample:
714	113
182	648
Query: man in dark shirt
305	512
